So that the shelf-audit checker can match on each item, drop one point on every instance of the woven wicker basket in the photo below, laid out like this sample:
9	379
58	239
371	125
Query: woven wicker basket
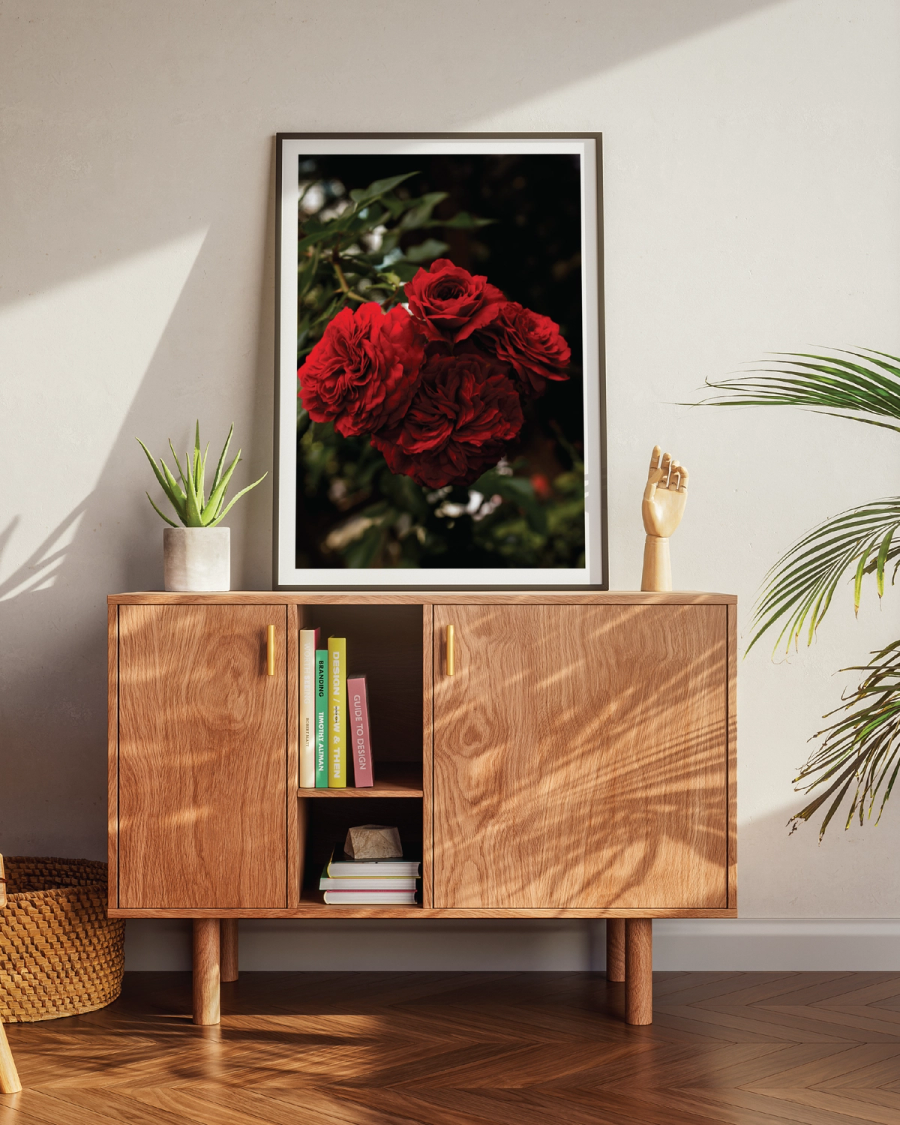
59	953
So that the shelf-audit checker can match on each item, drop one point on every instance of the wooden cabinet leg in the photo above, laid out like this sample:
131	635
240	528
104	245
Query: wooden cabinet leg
639	971
229	949
615	949
9	1077
206	971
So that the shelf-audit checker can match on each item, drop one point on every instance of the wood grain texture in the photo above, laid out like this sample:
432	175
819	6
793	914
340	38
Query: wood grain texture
427	755
615	949
580	757
112	774
392	779
437	597
639	971
319	608
230	949
308	909
202	746
430	1048
295	831
206	971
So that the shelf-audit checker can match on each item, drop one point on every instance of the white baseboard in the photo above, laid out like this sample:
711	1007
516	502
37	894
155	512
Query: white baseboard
748	944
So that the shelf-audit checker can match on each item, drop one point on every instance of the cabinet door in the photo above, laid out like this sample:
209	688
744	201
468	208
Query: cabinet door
202	757
580	757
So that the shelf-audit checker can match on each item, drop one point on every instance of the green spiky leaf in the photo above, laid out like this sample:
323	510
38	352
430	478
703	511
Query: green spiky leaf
171	523
236	498
187	498
861	750
864	387
799	588
221	462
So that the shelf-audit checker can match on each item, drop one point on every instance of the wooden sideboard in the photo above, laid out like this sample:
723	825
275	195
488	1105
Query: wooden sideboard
580	761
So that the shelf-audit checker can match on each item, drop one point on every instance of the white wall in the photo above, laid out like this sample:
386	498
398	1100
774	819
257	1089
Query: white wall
752	204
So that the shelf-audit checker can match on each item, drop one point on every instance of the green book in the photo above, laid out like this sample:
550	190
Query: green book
321	696
337	713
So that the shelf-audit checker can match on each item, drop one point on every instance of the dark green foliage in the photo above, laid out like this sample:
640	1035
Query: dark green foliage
356	247
861	751
364	245
505	518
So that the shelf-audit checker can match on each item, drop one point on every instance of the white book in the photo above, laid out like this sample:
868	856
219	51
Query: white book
370	898
368	883
308	641
341	866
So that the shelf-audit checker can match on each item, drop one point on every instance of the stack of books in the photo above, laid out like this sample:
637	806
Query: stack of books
369	882
334	717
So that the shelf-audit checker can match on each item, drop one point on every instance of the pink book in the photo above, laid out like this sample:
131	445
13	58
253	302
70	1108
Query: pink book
358	722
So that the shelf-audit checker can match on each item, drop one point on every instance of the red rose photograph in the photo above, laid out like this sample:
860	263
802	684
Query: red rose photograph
446	371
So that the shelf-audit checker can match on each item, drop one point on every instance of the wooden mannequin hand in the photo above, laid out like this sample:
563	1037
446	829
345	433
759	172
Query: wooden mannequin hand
665	495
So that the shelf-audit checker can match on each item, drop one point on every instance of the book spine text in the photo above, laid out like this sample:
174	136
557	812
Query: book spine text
358	728
321	718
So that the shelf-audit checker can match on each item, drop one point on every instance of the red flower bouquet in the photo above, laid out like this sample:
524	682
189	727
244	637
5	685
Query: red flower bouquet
463	413
363	373
450	303
530	344
438	388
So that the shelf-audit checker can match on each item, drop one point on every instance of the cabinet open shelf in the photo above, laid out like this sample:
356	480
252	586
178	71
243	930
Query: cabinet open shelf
392	779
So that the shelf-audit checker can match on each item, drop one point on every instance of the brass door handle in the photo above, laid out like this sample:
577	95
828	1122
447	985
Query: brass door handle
270	650
451	651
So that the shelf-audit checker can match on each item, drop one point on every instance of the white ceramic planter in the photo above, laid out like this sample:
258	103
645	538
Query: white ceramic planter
197	558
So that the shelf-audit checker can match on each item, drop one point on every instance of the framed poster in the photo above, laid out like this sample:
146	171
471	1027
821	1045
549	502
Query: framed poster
439	385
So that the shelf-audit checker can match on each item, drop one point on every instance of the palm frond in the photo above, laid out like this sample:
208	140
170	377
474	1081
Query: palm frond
798	589
861	749
861	385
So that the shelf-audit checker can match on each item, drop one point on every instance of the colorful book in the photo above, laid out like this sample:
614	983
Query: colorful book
321	718
337	713
341	865
308	642
358	726
370	898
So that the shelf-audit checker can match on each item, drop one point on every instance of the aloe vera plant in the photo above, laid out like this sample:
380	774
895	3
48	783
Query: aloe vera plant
859	756
188	494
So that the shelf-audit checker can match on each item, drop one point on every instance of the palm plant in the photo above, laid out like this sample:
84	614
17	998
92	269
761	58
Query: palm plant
859	756
188	497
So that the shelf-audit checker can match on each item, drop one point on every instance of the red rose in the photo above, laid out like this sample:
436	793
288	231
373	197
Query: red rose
450	303
530	344
464	411
364	371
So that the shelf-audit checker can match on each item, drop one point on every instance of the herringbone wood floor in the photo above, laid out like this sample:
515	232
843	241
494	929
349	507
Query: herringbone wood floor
491	1048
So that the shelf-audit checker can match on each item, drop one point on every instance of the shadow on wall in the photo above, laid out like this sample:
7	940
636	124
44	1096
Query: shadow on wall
154	136
52	601
154	144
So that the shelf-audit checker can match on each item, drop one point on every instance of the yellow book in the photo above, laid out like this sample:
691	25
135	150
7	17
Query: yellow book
337	713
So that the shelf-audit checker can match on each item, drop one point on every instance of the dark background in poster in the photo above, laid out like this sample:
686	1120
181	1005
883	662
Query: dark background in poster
532	251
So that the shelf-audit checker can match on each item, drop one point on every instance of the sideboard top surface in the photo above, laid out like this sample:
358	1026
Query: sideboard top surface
394	597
